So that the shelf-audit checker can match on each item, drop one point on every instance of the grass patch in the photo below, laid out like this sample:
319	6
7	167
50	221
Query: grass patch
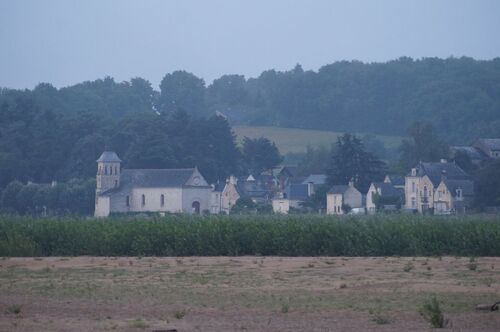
14	309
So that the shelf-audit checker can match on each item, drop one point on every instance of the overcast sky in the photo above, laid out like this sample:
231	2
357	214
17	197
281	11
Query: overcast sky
66	42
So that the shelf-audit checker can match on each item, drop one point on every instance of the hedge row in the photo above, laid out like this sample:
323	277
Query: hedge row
250	235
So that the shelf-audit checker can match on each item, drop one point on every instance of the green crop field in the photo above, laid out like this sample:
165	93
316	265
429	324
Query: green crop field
183	235
296	140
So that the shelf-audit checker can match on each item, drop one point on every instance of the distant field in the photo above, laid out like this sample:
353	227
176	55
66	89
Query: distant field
296	140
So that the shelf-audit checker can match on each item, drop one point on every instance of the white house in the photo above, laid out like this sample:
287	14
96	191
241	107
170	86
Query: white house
150	190
342	195
389	194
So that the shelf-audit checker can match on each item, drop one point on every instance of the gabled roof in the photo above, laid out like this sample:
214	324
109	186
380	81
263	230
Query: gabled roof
387	189
109	157
297	192
153	178
396	180
435	171
317	179
467	187
338	189
472	152
290	170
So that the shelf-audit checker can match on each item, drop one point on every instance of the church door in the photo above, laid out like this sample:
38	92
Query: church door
196	207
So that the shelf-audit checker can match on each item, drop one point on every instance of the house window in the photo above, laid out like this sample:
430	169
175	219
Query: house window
413	203
116	183
413	187
162	200
105	170
459	193
116	170
127	200
143	200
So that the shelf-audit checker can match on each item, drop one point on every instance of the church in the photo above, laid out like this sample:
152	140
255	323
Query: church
151	190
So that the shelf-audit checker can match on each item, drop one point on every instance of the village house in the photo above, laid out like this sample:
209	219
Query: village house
230	194
341	196
295	194
150	190
388	195
453	196
489	146
422	182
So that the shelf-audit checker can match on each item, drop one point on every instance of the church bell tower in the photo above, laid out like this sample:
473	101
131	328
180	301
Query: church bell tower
108	172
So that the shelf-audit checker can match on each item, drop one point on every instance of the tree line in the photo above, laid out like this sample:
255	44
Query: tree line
459	96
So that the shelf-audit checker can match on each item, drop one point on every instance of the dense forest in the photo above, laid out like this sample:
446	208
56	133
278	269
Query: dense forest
459	96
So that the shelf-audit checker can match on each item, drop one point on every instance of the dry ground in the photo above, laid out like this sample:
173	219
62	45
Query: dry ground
244	293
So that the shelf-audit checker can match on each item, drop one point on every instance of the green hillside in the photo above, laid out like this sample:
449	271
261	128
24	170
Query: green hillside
296	140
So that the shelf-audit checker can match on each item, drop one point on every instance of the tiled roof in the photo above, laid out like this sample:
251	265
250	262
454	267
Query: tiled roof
435	171
152	178
297	192
338	189
316	179
388	190
467	187
109	157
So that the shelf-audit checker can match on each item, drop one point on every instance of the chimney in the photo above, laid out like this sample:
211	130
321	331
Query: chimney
351	183
310	189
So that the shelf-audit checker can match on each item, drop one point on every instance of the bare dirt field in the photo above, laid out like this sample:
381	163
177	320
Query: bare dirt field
245	293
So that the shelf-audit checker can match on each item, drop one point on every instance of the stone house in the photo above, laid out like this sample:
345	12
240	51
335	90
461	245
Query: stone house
341	195
423	180
453	196
389	194
150	190
294	195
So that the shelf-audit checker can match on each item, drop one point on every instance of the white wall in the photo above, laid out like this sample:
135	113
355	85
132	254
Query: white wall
281	206
102	208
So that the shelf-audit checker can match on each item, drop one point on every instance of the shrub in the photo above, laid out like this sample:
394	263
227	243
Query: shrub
431	311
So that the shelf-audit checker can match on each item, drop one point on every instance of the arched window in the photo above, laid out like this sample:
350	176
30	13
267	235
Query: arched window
162	200
106	170
143	200
127	200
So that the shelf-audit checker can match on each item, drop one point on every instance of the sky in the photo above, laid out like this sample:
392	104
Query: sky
65	42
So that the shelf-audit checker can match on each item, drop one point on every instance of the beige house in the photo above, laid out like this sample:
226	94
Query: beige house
150	190
453	196
423	180
341	195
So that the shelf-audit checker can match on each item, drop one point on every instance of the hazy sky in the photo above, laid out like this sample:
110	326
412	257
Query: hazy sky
66	42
